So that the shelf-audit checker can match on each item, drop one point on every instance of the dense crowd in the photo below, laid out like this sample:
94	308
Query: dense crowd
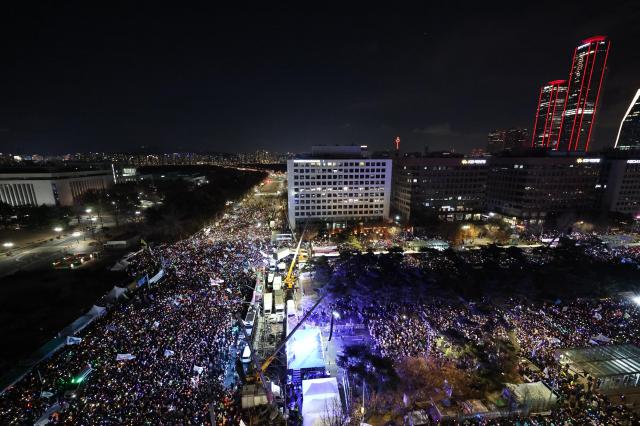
163	356
532	331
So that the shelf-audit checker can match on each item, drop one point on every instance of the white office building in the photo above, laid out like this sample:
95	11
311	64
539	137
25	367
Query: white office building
338	185
41	186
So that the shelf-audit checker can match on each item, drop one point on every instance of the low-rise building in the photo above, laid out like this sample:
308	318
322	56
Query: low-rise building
38	186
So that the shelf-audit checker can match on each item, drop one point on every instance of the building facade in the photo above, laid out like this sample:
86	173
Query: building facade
449	188
528	189
621	183
583	93
546	125
506	140
628	137
338	185
52	188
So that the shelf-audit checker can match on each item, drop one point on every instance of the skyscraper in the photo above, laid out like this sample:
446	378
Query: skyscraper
546	126
583	92
629	131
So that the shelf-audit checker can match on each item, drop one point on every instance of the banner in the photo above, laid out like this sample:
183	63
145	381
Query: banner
125	357
71	340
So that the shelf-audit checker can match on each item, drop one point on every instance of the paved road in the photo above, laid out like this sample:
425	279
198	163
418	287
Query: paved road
36	256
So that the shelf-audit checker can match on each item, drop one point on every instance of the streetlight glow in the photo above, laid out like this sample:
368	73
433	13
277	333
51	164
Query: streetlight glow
58	229
7	244
77	233
88	211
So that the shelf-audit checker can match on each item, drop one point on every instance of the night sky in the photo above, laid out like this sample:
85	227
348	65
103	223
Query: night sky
117	76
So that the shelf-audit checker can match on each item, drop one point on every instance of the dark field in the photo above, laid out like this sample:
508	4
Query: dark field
36	305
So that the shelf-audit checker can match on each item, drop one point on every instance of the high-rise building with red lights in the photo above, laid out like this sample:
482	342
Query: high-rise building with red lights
583	92
546	126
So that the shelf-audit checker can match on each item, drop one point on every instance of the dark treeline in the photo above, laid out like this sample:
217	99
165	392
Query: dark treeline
185	207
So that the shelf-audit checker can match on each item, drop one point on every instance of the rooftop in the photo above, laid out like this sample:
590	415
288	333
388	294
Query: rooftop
603	361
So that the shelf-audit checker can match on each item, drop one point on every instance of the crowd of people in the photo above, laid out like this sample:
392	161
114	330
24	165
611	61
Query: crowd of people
162	356
442	328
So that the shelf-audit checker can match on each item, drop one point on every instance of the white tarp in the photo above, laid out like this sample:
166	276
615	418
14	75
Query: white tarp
321	404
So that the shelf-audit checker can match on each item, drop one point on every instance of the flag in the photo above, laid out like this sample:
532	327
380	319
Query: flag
125	357
71	340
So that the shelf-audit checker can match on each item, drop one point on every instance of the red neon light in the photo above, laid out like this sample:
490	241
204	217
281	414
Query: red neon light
586	95
594	39
595	106
546	118
566	99
556	82
553	114
535	123
575	116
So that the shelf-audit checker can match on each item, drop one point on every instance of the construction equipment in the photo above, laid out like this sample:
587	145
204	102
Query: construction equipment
290	280
261	369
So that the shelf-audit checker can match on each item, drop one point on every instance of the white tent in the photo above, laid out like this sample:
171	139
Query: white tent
320	402
115	294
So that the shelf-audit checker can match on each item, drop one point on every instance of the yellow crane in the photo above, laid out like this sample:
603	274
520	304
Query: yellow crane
289	280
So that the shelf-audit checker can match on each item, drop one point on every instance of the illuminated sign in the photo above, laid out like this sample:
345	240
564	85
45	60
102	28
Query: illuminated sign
474	161
633	161
587	160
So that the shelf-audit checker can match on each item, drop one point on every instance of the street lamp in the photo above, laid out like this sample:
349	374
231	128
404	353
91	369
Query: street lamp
58	229
7	244
76	234
88	211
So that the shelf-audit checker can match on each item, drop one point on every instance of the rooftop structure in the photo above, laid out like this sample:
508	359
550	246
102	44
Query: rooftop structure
615	367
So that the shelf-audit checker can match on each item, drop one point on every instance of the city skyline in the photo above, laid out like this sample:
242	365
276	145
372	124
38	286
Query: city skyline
223	80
